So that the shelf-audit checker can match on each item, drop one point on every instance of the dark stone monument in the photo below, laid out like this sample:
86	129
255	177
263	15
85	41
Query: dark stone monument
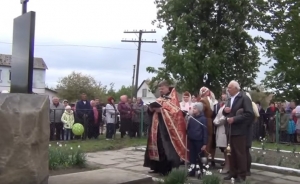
24	139
23	52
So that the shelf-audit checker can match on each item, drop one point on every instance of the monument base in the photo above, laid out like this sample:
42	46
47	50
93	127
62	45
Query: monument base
24	138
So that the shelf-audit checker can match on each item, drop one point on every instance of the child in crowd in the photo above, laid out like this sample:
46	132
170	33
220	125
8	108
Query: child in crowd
197	135
68	121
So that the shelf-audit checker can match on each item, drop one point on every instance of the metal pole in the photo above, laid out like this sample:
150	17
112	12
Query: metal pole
138	63
132	86
142	120
24	6
277	118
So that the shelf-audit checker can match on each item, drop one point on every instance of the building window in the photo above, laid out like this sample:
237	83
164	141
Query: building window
9	75
144	93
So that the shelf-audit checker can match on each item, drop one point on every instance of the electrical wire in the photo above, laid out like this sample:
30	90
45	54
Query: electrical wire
91	46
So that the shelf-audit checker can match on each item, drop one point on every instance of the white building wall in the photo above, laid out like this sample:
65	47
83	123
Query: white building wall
150	97
39	77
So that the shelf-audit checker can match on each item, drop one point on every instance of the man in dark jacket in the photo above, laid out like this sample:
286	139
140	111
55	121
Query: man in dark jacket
197	134
261	122
99	107
85	114
238	127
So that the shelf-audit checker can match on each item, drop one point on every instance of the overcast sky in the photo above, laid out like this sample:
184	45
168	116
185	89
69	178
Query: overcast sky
67	30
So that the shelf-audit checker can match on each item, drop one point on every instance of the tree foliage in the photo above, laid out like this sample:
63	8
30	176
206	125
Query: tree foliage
71	86
207	43
281	19
260	95
124	90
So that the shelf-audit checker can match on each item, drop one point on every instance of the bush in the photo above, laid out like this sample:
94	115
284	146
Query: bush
211	179
65	157
176	176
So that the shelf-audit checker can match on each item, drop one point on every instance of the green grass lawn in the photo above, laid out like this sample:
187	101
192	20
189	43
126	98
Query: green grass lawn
101	144
275	146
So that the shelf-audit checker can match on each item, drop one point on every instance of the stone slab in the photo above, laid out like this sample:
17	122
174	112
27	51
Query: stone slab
24	125
282	181
270	174
125	165
260	177
138	168
101	176
292	178
102	161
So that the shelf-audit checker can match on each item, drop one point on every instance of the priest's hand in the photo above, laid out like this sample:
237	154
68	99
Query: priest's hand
203	148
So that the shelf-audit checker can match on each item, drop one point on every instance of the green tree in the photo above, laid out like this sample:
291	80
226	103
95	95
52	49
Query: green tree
71	86
124	90
260	95
281	19
207	44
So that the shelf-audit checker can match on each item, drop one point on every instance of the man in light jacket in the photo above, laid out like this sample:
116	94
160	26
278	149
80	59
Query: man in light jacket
56	111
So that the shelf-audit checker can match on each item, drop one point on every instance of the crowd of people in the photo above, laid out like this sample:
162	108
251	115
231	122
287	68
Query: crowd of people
93	115
287	115
190	130
183	131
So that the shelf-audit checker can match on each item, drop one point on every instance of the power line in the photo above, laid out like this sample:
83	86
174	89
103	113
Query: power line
139	41
91	46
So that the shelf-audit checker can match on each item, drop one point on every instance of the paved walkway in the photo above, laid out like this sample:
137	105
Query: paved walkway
131	159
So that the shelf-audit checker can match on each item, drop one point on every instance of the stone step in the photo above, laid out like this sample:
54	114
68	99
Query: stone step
103	176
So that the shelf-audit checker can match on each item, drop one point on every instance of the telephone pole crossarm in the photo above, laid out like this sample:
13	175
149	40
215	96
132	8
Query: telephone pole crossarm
138	31
137	41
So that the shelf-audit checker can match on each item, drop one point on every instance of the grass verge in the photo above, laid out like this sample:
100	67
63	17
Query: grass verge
274	146
102	145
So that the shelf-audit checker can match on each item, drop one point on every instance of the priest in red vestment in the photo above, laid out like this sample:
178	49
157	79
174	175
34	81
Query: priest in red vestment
166	145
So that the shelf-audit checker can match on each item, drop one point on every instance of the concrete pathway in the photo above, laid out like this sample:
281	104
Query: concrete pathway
131	159
102	176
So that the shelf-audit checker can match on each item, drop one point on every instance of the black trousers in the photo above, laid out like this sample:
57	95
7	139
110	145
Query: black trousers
58	130
238	163
125	127
195	151
135	129
93	130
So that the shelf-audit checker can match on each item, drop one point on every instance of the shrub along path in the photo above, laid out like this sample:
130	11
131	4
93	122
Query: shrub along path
131	159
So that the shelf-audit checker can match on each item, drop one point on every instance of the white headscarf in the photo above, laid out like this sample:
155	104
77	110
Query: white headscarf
211	97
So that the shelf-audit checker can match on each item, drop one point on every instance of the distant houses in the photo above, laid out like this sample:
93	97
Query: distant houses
39	75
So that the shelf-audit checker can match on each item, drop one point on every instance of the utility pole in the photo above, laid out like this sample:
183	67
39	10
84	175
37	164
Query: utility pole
139	41
24	6
132	86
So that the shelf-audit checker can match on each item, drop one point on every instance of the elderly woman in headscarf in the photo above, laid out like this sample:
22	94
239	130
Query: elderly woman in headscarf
111	118
209	101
